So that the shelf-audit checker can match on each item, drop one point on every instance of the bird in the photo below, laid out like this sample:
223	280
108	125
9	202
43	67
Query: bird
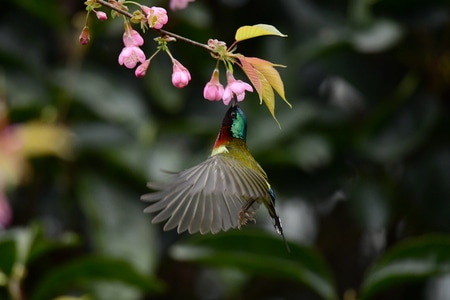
219	193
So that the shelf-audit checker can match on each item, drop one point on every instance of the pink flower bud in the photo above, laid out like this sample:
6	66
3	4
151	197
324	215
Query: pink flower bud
216	44
84	36
132	38
213	90
156	16
235	88
142	69
180	75
101	15
179	4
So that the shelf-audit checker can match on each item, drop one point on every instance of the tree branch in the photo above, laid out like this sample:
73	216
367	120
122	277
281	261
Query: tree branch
160	31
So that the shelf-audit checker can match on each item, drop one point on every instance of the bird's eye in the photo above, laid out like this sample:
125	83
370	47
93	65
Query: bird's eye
233	114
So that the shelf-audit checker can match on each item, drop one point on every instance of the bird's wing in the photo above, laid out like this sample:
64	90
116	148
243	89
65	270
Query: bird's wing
207	197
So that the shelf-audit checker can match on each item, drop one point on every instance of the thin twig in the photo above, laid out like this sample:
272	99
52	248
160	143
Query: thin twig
160	31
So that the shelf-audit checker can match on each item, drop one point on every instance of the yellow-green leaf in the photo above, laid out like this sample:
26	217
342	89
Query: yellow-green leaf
268	95
262	83
250	71
248	32
271	74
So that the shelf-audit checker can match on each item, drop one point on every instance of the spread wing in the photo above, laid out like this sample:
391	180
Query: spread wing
207	197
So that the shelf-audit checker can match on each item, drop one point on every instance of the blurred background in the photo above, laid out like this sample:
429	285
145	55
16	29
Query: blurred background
361	165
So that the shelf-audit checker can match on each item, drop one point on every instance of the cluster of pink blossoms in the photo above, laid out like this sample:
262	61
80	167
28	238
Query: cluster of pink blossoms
132	55
214	90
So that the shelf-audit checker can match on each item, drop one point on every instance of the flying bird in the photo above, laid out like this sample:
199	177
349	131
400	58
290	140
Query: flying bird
220	193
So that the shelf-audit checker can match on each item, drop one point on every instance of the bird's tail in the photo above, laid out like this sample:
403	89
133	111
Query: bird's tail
276	219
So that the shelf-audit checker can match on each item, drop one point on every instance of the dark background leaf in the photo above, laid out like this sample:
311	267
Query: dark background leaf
86	271
362	161
411	260
259	254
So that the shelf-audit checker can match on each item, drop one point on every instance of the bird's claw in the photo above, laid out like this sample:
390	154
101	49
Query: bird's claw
245	216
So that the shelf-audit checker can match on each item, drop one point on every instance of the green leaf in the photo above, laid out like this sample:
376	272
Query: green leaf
43	245
248	32
412	260
8	255
30	242
108	207
23	240
94	91
84	271
260	254
111	210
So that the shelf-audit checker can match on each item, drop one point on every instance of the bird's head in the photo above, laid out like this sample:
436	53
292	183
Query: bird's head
234	126
235	123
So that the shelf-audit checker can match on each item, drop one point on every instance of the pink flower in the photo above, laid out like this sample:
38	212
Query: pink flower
180	75
84	36
142	69
235	88
131	54
101	15
156	16
179	4
213	90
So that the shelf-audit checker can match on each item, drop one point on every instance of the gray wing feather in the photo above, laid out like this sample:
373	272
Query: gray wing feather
207	216
207	197
189	213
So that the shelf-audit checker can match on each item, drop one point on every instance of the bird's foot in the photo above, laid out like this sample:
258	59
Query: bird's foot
245	216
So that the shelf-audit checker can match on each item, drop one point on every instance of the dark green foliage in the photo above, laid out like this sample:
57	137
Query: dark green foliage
361	166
